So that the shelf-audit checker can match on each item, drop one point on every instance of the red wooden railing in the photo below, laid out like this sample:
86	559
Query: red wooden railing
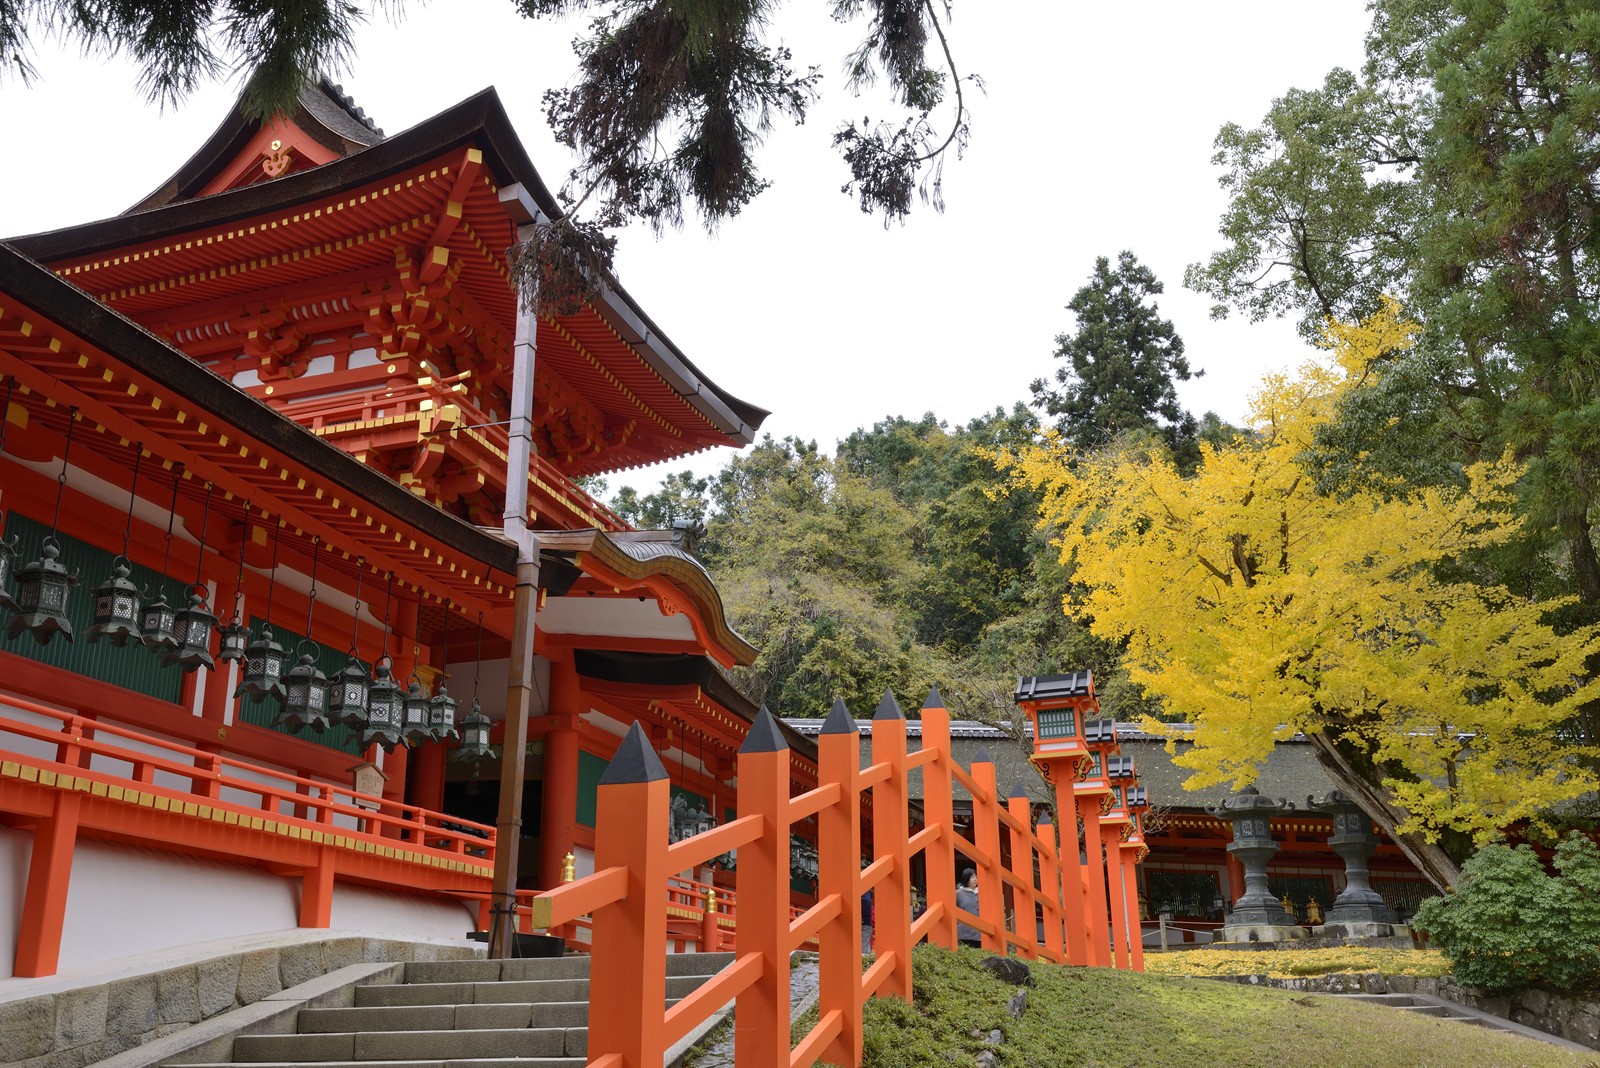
629	920
72	776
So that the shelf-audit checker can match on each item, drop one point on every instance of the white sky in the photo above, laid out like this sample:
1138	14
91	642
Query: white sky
1094	135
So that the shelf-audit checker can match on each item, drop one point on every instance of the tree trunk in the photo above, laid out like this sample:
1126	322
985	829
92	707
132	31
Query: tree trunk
1376	801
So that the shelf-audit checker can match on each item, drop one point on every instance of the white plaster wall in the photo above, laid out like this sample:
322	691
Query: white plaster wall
126	901
16	743
368	910
123	768
123	900
15	848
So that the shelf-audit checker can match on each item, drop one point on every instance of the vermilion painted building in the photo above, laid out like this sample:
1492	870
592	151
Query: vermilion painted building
291	379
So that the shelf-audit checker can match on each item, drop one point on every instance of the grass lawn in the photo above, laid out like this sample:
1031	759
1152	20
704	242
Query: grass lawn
1097	1018
1292	963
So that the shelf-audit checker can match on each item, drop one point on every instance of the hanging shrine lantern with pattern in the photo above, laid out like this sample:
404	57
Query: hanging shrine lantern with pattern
305	695
384	708
475	727
415	721
192	629
42	588
116	607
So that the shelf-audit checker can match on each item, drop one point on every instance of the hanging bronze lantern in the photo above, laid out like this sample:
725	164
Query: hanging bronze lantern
192	629
235	637
42	589
235	642
8	546
116	600
305	695
347	699
157	625
442	715
415	724
8	553
475	727
263	672
384	704
43	586
116	607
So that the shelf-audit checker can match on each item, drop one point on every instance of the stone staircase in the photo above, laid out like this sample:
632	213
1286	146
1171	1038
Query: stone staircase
457	1014
1438	1008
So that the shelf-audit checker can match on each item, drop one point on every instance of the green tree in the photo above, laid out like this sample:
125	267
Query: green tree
1459	171
682	496
1121	363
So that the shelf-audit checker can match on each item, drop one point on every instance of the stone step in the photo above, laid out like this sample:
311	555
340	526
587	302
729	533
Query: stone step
431	1045
528	991
486	1017
494	971
1425	1010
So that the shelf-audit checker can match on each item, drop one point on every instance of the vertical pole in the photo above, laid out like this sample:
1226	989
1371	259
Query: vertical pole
839	861
44	902
520	682
1116	900
627	969
891	831
316	891
939	860
761	1011
559	812
986	836
1072	876
1097	922
1130	890
1022	900
1053	875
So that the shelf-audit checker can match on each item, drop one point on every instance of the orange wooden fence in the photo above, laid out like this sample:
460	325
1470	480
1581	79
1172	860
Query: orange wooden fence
1024	888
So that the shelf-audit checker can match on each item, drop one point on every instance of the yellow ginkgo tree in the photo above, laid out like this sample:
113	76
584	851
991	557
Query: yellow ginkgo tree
1255	607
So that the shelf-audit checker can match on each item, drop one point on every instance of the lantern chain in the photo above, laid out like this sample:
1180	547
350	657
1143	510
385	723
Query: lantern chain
172	515
355	612
311	602
238	581
133	497
477	667
200	554
61	479
5	414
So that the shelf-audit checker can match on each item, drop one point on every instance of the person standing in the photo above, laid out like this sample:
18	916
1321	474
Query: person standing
967	899
866	922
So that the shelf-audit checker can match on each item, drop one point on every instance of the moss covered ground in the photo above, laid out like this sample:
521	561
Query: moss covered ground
1291	963
1097	1018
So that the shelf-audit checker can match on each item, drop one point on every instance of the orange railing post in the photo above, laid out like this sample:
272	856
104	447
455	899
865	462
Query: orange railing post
986	836
839	864
1130	890
1023	894
891	833
627	975
1067	853
939	860
1052	876
1110	834
44	901
1097	922
761	1012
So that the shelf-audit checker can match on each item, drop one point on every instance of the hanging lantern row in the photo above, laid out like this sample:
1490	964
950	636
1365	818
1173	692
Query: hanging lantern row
803	858
375	705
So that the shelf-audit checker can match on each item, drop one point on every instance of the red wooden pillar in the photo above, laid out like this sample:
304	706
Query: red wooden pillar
44	902
939	861
627	973
761	1011
316	891
839	861
1097	922
558	820
1235	886
427	776
1116	900
986	836
1076	946
1130	888
1060	885
1021	810
891	834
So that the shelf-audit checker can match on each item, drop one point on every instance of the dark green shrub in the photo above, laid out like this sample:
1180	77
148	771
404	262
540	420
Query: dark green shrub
1510	923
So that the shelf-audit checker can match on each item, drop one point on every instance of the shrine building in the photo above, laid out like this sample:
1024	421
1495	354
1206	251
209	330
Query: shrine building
294	389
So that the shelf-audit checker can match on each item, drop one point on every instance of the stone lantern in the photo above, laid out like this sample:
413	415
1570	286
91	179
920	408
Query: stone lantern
1257	916
1359	907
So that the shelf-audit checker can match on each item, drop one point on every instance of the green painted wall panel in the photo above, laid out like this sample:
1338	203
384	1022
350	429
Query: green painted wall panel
261	712
133	667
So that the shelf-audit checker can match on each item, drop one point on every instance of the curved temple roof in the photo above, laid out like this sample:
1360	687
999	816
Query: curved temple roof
480	122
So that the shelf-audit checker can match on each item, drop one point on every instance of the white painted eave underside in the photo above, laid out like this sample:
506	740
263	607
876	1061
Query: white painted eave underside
618	617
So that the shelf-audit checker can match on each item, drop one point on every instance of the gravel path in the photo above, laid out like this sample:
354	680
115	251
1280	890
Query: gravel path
802	992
